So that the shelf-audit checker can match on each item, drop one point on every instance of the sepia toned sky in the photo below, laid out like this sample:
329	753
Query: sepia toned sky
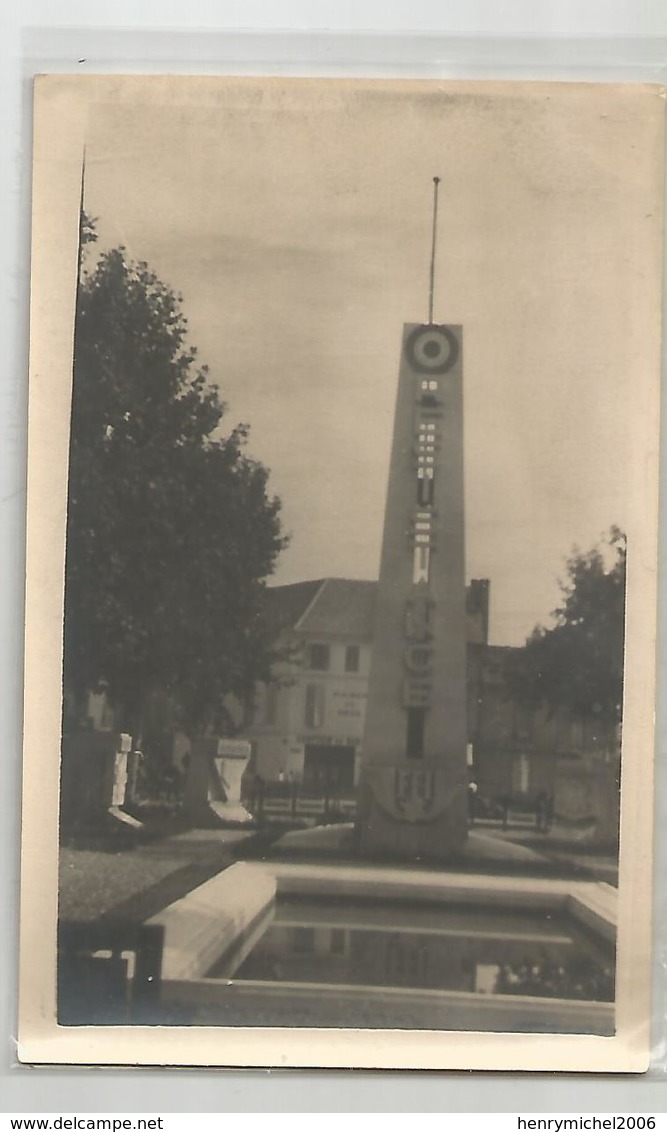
294	218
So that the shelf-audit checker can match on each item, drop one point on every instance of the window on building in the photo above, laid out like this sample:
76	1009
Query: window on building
337	944
523	723
576	734
352	654
318	658
304	940
521	774
314	707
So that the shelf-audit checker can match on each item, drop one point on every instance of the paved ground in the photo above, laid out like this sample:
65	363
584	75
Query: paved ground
481	846
565	844
135	883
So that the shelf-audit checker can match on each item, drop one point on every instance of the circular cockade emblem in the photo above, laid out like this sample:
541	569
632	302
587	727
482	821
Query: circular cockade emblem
432	349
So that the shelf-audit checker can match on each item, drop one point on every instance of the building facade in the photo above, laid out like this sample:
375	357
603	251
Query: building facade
308	723
522	752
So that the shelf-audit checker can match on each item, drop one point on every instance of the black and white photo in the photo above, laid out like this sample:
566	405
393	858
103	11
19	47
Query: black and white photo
341	613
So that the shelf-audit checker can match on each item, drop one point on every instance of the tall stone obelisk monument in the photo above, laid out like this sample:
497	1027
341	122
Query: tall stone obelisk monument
413	790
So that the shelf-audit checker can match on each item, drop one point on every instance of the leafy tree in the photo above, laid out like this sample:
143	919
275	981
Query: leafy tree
171	532
87	233
577	664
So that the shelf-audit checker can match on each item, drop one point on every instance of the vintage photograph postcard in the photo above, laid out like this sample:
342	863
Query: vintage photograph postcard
341	573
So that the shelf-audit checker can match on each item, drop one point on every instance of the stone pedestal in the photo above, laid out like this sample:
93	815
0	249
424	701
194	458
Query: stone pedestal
94	776
213	785
589	790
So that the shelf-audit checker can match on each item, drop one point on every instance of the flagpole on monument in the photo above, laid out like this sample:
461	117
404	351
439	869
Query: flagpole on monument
436	182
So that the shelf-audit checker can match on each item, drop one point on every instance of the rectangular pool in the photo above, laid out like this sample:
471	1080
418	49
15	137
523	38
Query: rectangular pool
395	949
461	949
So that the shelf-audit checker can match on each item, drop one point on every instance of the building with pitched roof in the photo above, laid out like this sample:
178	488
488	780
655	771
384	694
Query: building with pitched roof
308	722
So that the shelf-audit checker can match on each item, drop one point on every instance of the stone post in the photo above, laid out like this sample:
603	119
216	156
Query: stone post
213	784
94	779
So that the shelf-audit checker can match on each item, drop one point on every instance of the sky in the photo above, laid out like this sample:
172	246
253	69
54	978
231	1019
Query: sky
295	220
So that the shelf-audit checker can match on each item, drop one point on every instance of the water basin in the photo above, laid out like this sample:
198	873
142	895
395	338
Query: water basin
454	949
389	948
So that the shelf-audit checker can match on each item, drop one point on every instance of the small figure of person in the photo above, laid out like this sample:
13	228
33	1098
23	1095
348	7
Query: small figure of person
541	807
549	813
472	794
504	801
257	792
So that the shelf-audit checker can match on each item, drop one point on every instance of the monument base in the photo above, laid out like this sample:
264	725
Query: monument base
411	813
94	781
589	790
230	812
213	786
124	818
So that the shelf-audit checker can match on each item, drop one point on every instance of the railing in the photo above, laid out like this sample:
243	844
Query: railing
296	800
